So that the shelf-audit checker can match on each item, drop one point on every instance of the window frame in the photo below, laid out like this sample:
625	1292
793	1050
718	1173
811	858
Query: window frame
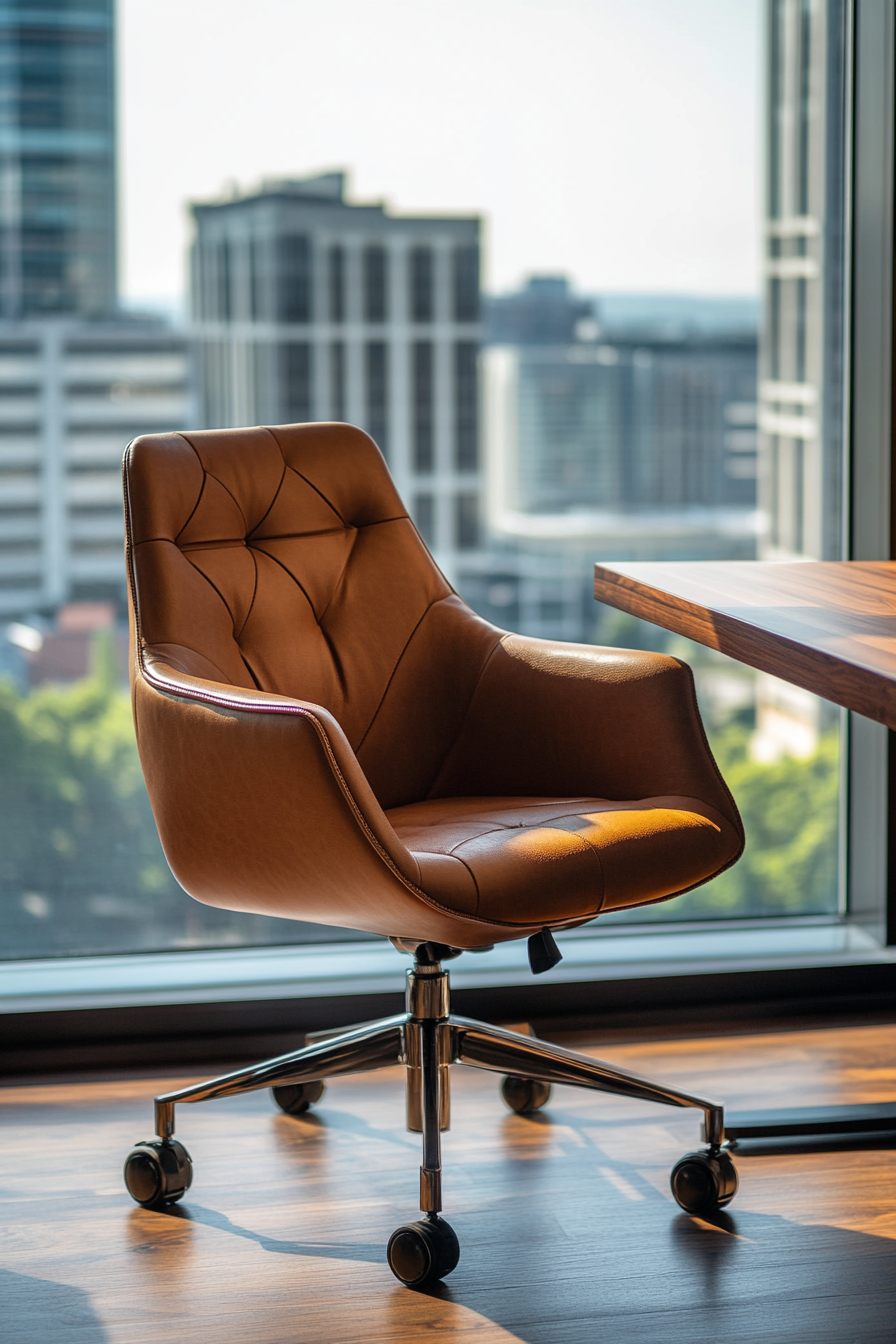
74	1028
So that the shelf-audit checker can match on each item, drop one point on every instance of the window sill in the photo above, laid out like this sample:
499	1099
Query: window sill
364	969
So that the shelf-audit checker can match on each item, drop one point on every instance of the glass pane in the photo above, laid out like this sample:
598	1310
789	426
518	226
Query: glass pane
580	276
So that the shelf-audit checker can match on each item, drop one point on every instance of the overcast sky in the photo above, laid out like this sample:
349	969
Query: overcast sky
614	140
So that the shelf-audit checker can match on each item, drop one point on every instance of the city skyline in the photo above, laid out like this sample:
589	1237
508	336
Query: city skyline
660	116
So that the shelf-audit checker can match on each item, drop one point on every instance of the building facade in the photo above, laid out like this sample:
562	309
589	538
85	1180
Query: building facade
72	394
57	158
602	445
308	307
77	379
801	407
626	425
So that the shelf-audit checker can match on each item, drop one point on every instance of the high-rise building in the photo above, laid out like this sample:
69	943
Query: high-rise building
801	410
544	312
309	307
57	158
625	425
602	444
72	394
77	379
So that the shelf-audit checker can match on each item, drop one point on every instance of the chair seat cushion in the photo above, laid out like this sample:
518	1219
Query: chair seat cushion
547	860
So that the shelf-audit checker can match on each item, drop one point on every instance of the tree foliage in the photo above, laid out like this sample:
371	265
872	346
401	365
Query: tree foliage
790	811
82	870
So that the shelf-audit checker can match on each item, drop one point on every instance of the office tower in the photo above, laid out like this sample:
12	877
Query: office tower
801	409
608	444
72	394
57	158
309	307
77	379
627	425
544	312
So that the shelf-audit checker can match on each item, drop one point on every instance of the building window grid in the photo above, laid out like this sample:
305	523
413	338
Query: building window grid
336	282
423	407
421	284
376	283
295	382
294	294
466	406
465	283
424	514
376	361
224	277
467	522
257	306
337	380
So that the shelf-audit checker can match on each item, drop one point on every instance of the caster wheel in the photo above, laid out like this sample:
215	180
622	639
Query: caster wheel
294	1098
158	1173
421	1253
703	1182
525	1095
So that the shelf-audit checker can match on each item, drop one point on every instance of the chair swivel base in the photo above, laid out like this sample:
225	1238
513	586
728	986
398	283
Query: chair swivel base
427	1039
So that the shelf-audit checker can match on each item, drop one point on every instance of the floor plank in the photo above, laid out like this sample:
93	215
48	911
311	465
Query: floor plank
568	1231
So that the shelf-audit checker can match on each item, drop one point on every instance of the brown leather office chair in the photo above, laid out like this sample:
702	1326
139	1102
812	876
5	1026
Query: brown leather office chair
329	733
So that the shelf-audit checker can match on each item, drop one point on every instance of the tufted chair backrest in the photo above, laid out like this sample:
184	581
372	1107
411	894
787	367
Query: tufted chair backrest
282	559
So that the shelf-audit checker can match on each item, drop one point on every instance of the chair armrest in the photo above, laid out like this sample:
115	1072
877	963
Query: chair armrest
250	789
564	720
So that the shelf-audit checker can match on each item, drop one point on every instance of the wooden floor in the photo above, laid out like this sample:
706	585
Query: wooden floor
568	1232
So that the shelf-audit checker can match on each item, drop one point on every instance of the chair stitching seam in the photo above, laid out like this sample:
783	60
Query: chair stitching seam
473	878
496	830
187	649
287	572
272	503
600	867
293	536
249	612
442	763
251	671
233	497
337	662
208	473
396	665
196	505
338	584
215	589
301	477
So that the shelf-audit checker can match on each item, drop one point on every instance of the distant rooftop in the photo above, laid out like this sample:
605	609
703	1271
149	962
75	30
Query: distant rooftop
320	187
678	315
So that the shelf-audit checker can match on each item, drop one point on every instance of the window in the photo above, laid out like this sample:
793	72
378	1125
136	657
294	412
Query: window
424	515
375	283
258	298
293	278
295	381
466	521
466	284
424	441
466	405
224	296
336	282
337	380
421	284
376	355
546	399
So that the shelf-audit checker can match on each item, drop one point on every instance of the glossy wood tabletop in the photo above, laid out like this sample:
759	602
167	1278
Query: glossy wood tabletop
569	1234
828	626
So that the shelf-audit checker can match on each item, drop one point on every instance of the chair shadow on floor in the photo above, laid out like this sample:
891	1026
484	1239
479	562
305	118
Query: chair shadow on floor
570	1243
35	1308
